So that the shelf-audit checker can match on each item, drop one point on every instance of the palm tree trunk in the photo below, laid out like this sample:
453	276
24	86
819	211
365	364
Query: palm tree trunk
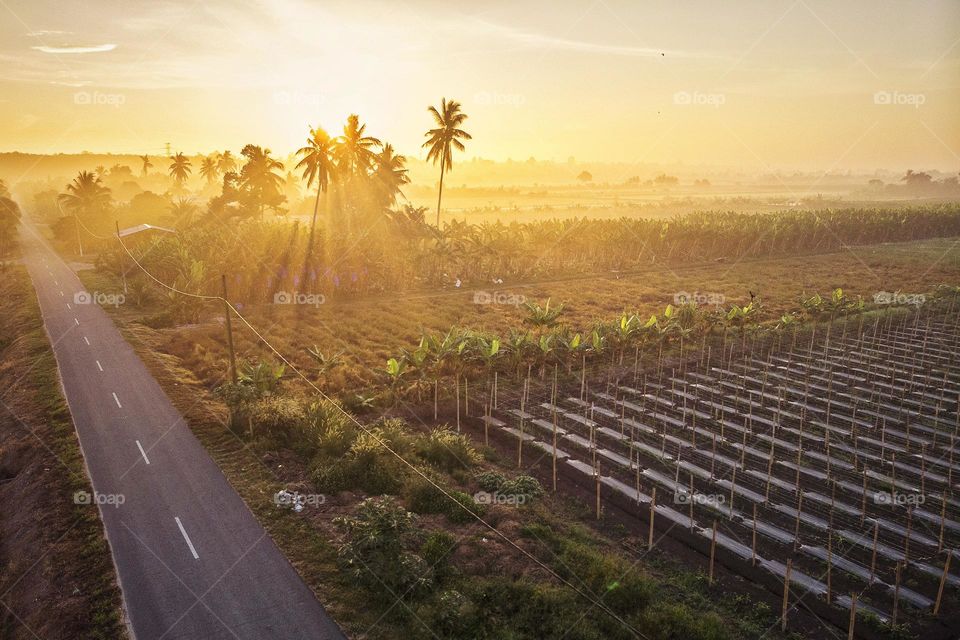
440	194
313	226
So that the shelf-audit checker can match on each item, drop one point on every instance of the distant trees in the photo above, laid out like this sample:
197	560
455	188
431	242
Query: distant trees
209	170
442	140
585	176
86	195
261	185
663	180
9	219
146	164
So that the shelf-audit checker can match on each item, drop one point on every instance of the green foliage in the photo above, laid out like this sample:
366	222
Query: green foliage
375	552
526	486
447	450
491	481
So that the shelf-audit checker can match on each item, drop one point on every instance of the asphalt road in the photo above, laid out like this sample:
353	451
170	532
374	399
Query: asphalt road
193	562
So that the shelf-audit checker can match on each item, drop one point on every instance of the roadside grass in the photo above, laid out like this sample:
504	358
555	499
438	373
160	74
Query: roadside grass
57	578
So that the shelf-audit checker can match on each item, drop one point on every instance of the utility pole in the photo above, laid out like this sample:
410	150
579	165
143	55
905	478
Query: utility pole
168	149
226	308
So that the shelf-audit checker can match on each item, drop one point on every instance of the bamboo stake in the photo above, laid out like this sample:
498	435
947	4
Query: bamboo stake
786	596
653	511
597	473
829	565
943	581
896	596
753	546
853	615
713	550
873	555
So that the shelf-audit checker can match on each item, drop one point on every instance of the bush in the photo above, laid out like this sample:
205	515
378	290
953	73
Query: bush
375	552
526	486
277	419
423	497
436	551
447	450
491	481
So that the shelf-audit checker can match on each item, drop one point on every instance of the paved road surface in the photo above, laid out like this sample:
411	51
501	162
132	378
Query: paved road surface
193	561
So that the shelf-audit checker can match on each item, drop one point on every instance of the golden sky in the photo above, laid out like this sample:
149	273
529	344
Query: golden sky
826	85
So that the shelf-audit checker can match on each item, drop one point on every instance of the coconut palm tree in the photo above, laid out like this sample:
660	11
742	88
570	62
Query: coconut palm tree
226	163
180	168
390	174
445	138
85	195
145	159
354	149
318	166
209	169
259	178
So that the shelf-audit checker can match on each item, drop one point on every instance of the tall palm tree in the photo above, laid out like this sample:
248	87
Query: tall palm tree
146	163
445	138
209	169
390	173
226	162
317	164
180	168
85	195
354	150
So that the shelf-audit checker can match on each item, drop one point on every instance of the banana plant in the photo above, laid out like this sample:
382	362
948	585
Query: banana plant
396	370
542	317
263	376
324	363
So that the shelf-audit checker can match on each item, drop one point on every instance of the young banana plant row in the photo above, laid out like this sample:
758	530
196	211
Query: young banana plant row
466	354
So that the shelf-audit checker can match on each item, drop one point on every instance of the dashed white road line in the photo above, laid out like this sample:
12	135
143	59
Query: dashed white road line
142	452
187	538
61	294
77	321
117	400
68	306
85	340
99	366
56	283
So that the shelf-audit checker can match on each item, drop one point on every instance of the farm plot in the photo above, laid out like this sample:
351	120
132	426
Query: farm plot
827	462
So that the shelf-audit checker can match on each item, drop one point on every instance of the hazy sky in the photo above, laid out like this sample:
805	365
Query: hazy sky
765	84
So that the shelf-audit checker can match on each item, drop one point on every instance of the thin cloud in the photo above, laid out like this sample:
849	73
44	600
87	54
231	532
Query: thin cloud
44	32
539	40
94	49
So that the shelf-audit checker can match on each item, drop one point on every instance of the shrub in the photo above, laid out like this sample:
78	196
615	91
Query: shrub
447	450
436	551
277	419
423	497
526	486
491	481
375	552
